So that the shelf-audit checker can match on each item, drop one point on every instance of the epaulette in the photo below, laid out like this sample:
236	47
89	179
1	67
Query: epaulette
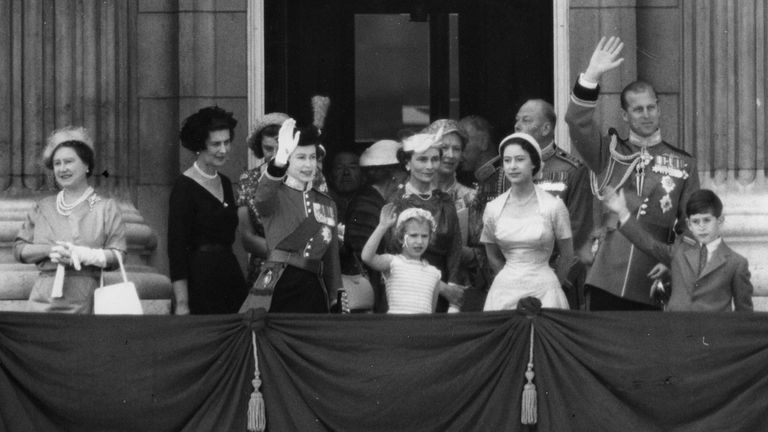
487	170
321	192
676	149
573	160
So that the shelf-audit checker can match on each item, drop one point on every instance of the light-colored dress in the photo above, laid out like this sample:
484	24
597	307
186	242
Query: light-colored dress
411	286
95	223
525	235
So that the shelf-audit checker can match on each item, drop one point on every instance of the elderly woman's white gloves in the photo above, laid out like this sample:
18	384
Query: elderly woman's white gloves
79	255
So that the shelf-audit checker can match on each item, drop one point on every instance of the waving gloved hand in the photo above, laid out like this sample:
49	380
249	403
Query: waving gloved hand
287	141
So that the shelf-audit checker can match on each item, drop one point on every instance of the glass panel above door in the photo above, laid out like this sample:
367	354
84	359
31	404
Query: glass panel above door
391	75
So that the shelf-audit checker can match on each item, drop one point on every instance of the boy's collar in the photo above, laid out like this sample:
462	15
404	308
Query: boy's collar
713	245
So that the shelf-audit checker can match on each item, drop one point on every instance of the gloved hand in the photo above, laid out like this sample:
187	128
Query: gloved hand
59	254
85	255
287	141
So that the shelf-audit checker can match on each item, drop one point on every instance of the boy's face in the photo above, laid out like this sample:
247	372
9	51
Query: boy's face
415	238
705	226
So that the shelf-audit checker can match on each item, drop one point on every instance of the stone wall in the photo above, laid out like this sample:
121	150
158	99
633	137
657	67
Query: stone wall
190	54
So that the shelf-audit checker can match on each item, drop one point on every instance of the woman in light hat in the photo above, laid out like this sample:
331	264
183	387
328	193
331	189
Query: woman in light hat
520	228
420	156
262	141
202	220
73	235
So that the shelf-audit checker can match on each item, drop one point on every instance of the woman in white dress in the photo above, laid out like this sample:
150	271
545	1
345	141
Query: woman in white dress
520	228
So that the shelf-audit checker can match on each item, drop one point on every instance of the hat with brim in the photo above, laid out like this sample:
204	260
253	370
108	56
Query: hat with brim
275	118
380	153
421	142
448	126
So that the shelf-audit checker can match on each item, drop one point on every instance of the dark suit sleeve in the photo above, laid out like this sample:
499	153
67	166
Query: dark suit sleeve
180	229
332	267
645	242
690	186
741	287
453	260
579	202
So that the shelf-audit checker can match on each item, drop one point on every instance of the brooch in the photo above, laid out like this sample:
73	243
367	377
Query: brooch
92	200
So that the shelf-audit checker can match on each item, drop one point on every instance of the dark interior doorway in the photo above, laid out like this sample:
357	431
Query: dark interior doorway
505	52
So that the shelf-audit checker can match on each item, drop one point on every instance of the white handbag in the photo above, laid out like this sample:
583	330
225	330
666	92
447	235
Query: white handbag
117	299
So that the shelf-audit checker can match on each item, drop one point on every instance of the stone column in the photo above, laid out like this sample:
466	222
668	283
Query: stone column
724	47
62	63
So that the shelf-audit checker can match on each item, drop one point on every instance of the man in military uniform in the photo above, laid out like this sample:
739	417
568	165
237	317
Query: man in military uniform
562	175
656	177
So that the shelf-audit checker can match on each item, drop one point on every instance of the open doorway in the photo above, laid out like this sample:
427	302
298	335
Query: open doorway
466	57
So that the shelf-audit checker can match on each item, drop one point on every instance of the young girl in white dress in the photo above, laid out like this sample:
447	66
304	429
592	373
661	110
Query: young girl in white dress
412	284
520	228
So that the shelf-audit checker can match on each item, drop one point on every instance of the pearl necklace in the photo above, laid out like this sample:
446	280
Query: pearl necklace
65	209
203	173
411	190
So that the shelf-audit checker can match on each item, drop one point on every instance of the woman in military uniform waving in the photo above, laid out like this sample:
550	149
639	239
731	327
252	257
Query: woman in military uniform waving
302	267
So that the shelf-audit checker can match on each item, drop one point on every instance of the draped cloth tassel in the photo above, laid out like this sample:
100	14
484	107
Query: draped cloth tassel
257	421
528	412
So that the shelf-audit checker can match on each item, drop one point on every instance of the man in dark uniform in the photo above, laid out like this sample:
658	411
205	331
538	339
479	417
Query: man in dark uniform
562	175
656	177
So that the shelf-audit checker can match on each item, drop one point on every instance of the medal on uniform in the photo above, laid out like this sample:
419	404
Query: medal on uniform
670	165
666	203
324	214
668	184
326	232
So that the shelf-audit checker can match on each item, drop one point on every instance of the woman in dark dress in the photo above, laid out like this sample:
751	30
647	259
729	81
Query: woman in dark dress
421	157
202	221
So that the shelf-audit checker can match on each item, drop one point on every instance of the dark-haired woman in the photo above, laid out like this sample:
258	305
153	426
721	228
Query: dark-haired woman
71	236
300	223
202	220
520	228
420	156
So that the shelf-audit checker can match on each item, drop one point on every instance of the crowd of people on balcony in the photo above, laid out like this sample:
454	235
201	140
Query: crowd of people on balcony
442	219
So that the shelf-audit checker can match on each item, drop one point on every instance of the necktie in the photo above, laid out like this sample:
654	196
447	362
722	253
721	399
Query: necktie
702	258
